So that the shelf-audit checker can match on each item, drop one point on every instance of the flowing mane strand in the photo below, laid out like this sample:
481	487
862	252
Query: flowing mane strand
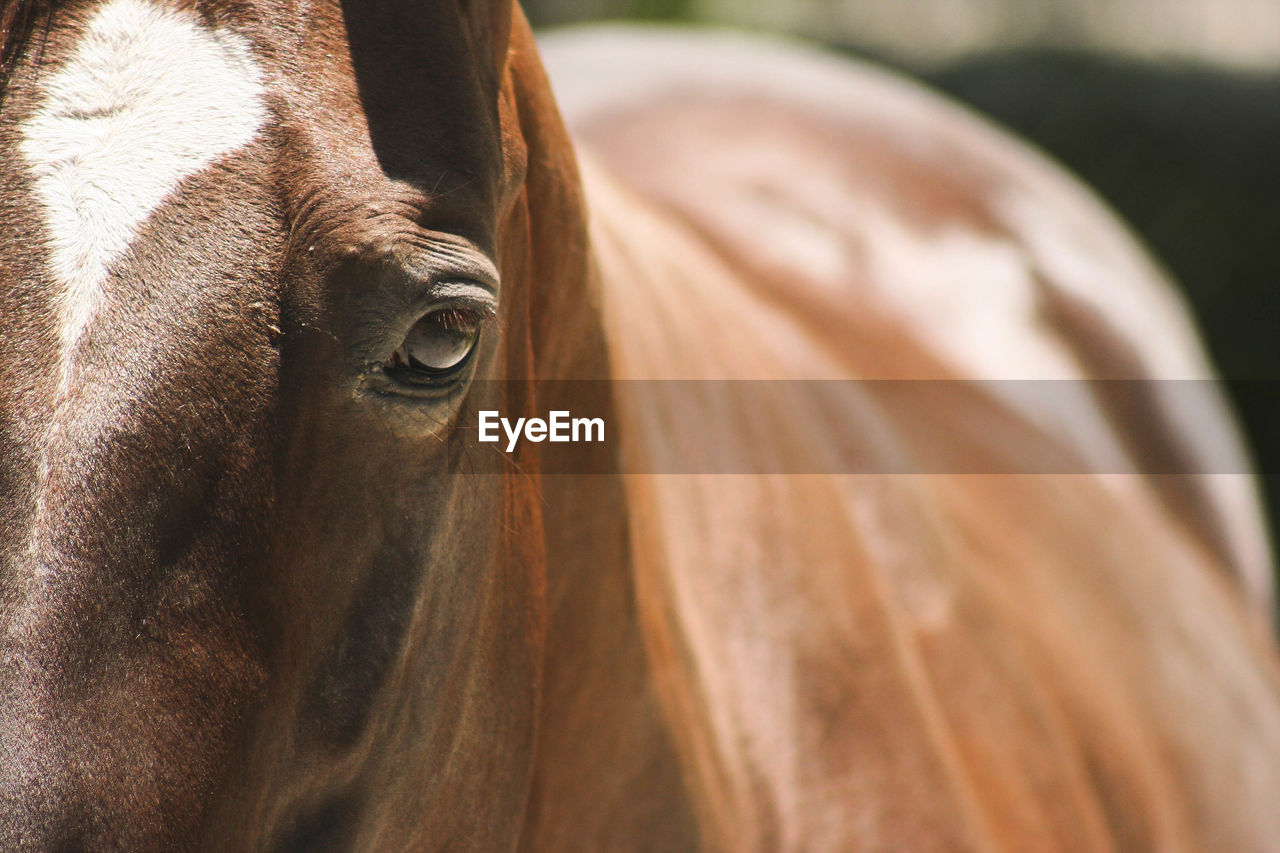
17	20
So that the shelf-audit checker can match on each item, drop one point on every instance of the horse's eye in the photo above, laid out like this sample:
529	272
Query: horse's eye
437	346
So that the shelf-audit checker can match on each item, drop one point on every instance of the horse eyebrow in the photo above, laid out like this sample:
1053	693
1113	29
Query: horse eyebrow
453	268
469	295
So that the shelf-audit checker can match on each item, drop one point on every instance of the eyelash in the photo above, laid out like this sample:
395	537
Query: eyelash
457	319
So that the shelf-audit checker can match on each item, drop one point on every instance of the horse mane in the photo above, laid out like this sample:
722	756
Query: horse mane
17	22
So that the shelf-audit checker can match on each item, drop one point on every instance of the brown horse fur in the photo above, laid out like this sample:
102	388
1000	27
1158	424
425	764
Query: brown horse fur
247	605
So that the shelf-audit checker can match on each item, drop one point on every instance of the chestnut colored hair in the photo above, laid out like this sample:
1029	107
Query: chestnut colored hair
17	21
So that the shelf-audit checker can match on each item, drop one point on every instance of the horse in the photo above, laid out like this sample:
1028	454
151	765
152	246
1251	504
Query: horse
267	264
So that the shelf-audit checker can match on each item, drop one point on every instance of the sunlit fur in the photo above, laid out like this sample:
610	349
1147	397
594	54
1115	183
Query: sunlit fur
245	604
149	97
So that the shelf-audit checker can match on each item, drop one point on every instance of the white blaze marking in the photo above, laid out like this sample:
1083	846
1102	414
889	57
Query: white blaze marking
149	97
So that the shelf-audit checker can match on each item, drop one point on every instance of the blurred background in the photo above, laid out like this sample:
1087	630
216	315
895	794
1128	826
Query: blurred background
1168	108
1239	33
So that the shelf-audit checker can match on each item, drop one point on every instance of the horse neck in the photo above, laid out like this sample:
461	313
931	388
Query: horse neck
604	769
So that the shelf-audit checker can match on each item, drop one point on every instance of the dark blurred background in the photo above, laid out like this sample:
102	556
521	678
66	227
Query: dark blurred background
1168	108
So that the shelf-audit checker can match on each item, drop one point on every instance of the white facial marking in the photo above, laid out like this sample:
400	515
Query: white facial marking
149	97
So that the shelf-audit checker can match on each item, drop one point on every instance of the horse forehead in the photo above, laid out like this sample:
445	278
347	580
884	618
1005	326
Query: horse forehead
140	161
141	97
146	98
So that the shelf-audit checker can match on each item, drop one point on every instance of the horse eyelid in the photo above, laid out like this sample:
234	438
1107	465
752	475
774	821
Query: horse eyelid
467	296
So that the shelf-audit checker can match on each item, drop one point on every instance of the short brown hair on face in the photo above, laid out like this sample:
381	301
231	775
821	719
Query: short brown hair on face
17	21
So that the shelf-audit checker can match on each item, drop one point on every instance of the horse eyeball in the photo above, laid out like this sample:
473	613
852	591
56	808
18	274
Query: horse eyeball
441	341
